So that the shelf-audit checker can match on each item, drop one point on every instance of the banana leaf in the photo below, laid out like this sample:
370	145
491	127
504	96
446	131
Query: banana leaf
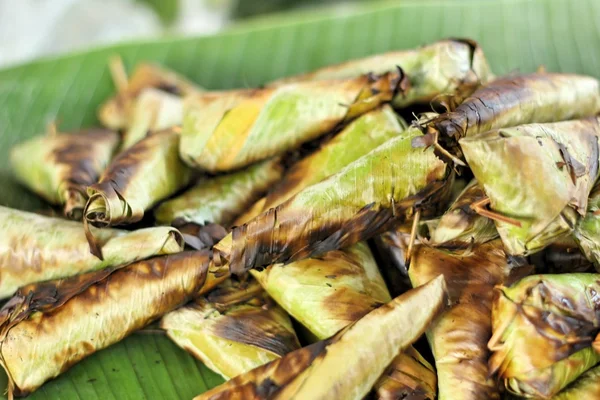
562	256
391	255
35	248
587	386
537	177
441	68
152	111
587	230
460	224
59	167
354	141
232	129
517	100
544	326
136	180
234	329
459	337
347	365
36	346
116	112
219	200
367	197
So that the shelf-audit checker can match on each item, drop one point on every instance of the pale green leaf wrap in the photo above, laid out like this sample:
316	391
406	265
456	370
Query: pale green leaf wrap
137	179
368	196
587	386
60	167
440	68
354	141
232	129
587	230
35	248
347	365
538	175
233	329
460	225
36	346
543	328
459	337
154	110
219	200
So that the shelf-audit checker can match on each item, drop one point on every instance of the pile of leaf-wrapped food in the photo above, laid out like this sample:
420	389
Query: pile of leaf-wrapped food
301	237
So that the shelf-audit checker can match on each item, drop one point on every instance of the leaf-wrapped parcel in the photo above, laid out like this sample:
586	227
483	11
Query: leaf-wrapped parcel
587	386
440	68
135	180
39	341
517	100
587	229
460	224
543	328
328	293
459	337
116	112
347	365
539	176
228	130
221	199
233	329
367	197
35	248
60	167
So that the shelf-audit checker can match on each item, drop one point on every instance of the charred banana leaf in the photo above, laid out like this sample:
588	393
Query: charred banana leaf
459	337
587	230
221	199
357	139
116	112
36	346
60	167
544	326
233	329
328	293
35	248
223	131
517	100
587	386
367	197
136	180
461	225
391	255
537	177
325	370
441	68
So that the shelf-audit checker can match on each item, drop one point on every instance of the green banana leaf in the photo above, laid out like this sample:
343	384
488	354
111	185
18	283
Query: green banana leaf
515	35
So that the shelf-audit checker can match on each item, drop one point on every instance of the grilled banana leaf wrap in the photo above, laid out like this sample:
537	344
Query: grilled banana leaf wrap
437	72
35	248
587	229
60	167
459	337
544	326
136	180
587	386
228	130
537	177
347	365
233	329
369	196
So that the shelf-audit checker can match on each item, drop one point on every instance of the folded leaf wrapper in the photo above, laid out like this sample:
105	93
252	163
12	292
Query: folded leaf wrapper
459	337
60	167
228	130
116	112
39	345
523	99
543	327
219	200
539	176
587	230
347	365
370	195
136	180
233	329
441	68
587	386
35	248
460	225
